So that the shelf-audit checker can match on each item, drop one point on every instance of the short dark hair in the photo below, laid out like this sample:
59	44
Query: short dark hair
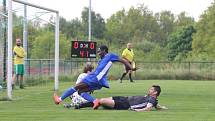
157	89
104	48
88	67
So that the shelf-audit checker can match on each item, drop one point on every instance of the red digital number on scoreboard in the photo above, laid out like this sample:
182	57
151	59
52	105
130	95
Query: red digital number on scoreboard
92	45
75	45
84	54
83	49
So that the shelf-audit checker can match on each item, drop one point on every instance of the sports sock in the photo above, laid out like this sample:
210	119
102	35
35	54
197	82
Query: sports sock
13	86
131	80
67	93
87	96
87	104
123	75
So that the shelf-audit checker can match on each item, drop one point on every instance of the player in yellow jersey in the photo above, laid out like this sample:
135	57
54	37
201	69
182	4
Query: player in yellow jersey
19	55
128	54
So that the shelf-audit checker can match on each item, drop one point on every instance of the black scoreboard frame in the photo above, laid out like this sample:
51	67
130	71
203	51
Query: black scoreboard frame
83	49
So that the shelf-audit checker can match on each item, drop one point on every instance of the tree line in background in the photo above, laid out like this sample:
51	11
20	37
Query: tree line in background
161	36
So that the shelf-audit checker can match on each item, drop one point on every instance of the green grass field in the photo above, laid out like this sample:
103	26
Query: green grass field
186	100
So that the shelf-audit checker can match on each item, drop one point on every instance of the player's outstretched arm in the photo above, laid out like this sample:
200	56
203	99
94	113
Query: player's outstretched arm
122	60
147	108
159	107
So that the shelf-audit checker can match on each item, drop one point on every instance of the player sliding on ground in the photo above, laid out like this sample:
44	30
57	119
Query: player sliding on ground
95	80
75	97
136	103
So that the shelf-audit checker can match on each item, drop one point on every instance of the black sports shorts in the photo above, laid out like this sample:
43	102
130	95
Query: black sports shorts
121	103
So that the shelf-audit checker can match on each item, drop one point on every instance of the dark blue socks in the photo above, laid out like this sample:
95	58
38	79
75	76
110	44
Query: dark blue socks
87	97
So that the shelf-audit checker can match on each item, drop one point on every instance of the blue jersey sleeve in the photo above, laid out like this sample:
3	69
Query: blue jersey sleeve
114	57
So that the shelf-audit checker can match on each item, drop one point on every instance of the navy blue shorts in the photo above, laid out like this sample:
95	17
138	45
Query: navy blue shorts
93	83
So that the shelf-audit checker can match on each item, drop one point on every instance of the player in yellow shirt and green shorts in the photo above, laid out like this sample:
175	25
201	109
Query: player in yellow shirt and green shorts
128	54
19	54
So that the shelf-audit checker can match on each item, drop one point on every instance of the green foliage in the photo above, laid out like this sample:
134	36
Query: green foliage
180	43
72	29
136	23
183	20
166	23
43	46
97	24
33	32
145	46
157	54
17	28
78	29
154	35
114	26
204	39
148	32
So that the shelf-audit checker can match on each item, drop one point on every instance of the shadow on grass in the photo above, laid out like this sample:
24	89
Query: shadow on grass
5	99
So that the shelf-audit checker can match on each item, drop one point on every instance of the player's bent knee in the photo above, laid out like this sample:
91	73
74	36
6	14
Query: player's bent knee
107	102
103	101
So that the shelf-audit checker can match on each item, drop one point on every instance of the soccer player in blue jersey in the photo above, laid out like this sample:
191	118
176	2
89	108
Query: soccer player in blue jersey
95	80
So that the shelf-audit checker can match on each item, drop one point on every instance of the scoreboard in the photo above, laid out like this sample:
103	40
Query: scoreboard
83	49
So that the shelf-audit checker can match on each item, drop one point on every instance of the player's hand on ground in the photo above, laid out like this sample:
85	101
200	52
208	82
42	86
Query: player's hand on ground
161	107
133	109
136	110
164	108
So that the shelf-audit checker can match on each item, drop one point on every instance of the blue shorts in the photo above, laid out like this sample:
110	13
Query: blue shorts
95	84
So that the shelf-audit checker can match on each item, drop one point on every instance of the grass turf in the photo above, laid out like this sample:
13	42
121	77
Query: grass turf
186	100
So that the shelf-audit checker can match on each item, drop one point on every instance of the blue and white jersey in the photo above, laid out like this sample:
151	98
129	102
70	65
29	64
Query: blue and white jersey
98	78
104	65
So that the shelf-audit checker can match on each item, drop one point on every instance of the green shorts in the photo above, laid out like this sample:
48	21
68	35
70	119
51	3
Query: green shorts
19	69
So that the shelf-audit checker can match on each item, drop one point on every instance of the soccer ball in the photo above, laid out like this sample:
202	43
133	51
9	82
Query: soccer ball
77	99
